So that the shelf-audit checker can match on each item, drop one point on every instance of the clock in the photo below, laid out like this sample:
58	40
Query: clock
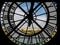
29	23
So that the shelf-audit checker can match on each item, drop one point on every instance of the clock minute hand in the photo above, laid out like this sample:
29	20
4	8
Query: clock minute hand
30	16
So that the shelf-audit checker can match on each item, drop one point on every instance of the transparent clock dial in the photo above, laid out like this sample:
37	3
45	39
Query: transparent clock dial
14	22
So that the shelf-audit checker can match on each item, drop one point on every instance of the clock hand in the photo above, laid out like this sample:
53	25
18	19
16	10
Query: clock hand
30	16
31	11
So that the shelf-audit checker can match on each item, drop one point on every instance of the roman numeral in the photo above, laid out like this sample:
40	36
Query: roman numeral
42	36
10	16
9	29
24	39
28	40
48	29
13	7
38	37
5	17
8	5
54	17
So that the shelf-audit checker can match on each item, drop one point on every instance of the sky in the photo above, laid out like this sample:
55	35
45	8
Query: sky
40	11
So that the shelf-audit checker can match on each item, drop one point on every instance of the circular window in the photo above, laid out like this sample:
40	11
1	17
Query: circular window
29	23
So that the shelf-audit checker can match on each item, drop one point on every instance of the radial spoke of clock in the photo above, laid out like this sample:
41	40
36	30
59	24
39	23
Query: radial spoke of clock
46	13
41	14
27	7
26	30
21	8
33	28
13	21
14	13
38	9
14	29
37	24
40	20
19	14
37	6
17	20
45	21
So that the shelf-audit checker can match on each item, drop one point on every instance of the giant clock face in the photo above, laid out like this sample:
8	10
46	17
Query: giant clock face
29	23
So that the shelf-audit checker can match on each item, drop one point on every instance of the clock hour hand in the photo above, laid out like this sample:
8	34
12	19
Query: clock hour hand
29	22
